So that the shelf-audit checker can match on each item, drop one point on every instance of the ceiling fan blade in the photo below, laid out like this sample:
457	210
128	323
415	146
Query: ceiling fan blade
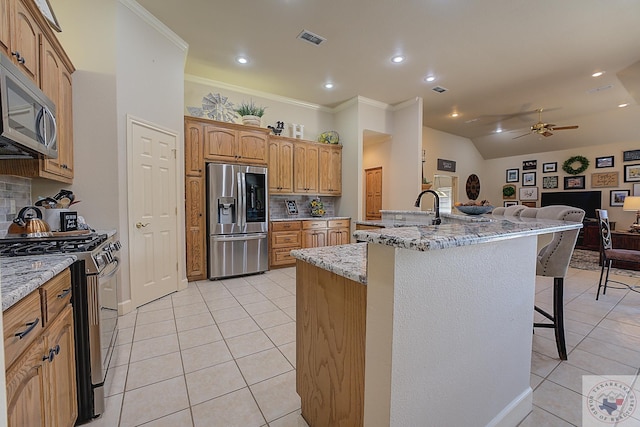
546	133
520	136
563	127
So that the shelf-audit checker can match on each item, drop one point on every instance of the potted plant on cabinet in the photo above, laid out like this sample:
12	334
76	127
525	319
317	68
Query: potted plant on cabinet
250	113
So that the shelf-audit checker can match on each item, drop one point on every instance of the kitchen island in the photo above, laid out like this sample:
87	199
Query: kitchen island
437	332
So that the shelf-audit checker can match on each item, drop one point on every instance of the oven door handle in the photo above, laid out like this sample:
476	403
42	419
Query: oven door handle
113	272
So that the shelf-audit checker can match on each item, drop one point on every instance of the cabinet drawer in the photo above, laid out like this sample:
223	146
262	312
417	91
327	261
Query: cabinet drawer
285	225
313	225
282	257
285	239
24	318
338	223
56	295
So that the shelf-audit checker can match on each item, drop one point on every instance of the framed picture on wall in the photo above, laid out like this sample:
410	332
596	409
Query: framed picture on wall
617	197
513	175
550	181
507	204
529	204
529	164
550	167
604	162
528	179
292	207
528	193
631	173
574	182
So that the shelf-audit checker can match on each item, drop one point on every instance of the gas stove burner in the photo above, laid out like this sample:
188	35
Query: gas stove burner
17	246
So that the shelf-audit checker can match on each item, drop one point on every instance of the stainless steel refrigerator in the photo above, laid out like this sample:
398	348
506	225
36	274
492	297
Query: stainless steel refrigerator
237	219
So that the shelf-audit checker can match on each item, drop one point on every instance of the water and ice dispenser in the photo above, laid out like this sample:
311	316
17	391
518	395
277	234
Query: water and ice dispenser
226	210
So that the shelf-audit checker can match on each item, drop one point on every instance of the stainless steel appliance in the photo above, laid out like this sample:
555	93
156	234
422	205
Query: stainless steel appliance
94	300
237	219
27	116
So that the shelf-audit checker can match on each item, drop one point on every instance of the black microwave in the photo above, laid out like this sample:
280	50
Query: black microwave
28	117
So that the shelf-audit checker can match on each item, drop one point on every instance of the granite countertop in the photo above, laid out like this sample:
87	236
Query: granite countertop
306	218
348	261
19	276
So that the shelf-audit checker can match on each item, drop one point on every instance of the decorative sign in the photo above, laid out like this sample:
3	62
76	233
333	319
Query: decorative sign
631	156
550	182
47	12
605	179
529	164
292	207
446	165
68	221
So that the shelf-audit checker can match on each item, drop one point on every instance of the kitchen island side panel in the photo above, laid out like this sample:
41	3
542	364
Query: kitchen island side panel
449	339
330	341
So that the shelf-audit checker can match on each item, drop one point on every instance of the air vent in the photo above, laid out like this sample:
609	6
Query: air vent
439	89
308	36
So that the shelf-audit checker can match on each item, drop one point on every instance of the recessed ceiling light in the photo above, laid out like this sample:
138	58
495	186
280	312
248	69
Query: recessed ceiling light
454	114
623	105
241	60
328	85
397	59
498	130
429	78
597	74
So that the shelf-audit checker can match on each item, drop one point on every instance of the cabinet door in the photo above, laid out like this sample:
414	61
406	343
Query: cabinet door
314	238
65	124
26	42
252	147
280	166
61	370
26	388
331	170
5	35
338	236
195	228
220	144
305	158
193	149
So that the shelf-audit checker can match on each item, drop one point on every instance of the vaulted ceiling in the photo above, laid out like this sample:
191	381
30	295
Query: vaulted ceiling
499	60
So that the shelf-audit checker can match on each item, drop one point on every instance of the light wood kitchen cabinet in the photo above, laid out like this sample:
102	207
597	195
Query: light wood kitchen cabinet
330	170
195	206
285	237
41	58
338	232
227	143
305	158
5	33
193	149
280	166
314	234
41	381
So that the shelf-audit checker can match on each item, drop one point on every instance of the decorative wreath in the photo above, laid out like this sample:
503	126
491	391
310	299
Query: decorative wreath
567	166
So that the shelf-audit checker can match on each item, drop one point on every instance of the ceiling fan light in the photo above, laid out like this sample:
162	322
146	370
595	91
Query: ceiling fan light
454	114
429	79
597	74
328	85
623	105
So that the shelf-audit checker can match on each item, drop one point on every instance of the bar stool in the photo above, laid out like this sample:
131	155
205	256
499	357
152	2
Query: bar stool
610	254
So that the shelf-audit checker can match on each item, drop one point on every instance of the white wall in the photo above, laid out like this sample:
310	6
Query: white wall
346	123
405	178
442	145
377	153
126	63
495	172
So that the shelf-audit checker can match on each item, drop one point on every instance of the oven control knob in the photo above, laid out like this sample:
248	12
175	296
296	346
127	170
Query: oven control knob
99	261
115	246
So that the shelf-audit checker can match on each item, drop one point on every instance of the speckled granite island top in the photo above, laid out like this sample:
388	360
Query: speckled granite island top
450	235
348	261
19	276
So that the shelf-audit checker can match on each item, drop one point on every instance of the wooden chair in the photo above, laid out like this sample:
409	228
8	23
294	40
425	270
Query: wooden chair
609	254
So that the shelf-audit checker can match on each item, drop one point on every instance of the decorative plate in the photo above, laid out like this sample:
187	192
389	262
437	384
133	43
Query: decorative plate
473	187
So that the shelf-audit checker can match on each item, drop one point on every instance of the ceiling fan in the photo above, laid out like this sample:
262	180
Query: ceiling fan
544	129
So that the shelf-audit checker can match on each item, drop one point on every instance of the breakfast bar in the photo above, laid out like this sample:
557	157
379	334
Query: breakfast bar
420	325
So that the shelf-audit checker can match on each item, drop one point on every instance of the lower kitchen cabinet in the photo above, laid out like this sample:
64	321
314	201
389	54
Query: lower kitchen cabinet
41	378
290	235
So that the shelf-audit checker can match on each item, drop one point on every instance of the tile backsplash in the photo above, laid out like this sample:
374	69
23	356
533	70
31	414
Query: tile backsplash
14	192
278	210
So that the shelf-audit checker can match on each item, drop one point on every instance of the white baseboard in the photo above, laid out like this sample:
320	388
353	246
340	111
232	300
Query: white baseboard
514	412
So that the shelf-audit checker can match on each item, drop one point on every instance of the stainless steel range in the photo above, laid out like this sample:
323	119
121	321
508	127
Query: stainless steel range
95	306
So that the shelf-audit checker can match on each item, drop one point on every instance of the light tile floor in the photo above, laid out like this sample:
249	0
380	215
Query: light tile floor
222	353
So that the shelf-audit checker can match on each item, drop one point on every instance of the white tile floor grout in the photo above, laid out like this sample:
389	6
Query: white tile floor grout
222	353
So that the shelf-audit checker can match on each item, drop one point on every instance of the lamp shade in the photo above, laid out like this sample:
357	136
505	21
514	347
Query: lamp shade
631	203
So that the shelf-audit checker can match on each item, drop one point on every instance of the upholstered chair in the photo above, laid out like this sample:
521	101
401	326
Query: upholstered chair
553	261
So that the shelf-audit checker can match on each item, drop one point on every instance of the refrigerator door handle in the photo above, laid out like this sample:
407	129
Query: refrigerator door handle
236	237
242	200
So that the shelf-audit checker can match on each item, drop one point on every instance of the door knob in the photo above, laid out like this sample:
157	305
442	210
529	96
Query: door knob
141	225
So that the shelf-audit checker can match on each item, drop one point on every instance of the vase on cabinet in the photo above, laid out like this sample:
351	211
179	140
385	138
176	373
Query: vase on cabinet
251	120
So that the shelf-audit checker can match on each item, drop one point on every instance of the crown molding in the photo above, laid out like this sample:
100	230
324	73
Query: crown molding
222	85
147	17
405	104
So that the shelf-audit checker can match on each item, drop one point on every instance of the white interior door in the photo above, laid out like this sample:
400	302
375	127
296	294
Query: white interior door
152	212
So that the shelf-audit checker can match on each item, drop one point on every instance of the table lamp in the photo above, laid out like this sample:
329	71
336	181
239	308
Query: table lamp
632	203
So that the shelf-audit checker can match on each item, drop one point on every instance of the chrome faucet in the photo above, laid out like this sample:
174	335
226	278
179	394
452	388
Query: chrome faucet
436	220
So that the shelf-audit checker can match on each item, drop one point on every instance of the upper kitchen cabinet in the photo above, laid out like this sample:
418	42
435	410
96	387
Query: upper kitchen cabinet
330	170
193	148
305	169
31	43
232	143
280	165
